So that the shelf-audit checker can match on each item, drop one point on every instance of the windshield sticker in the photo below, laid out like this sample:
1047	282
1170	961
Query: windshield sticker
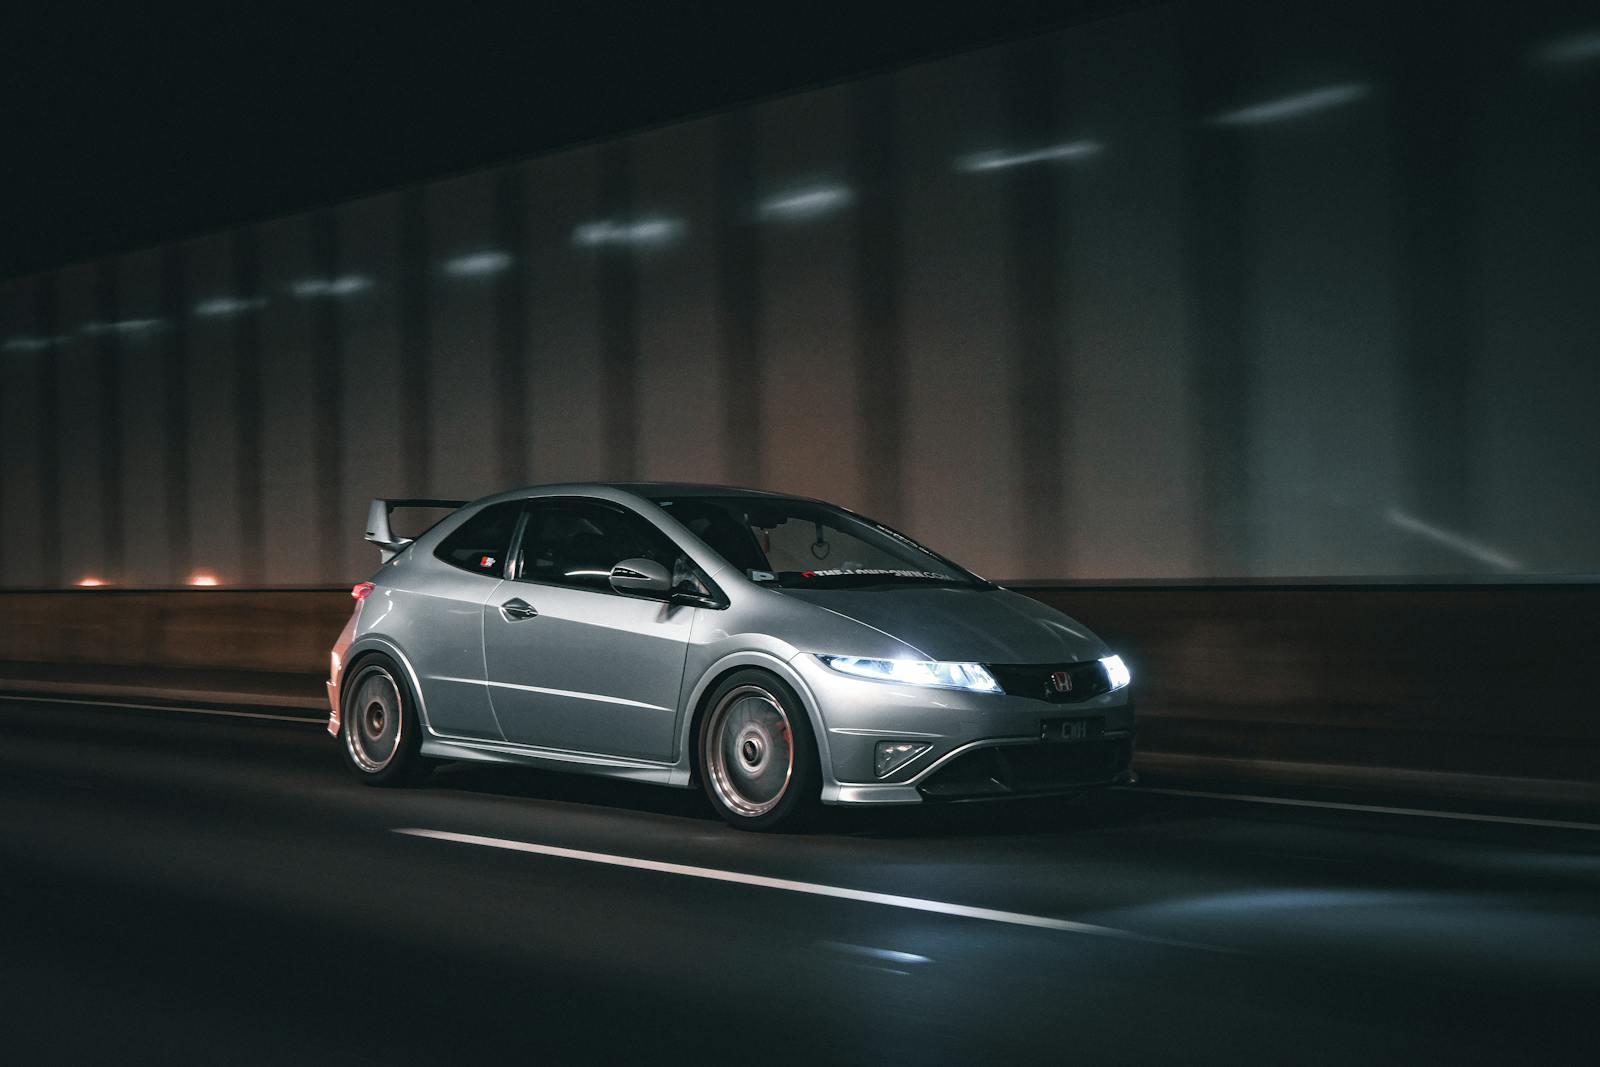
838	572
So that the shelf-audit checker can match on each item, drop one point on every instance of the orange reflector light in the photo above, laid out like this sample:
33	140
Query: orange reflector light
361	592
203	578
90	582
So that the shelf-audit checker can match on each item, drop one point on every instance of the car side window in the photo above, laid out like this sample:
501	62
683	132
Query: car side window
481	544
577	542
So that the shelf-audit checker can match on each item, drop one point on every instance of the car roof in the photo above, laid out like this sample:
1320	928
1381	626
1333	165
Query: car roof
646	490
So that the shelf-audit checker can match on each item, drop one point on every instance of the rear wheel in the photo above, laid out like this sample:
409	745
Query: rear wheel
758	758
379	724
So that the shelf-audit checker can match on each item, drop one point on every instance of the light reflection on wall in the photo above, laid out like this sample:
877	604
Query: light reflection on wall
1293	106
1004	159
478	264
648	232
805	202
344	285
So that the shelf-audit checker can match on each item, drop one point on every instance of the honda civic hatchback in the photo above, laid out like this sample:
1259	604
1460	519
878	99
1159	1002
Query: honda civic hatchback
772	650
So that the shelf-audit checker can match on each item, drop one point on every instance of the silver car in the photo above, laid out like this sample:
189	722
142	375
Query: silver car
773	650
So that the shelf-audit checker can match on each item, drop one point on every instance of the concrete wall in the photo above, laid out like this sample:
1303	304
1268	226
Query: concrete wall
1207	290
1486	691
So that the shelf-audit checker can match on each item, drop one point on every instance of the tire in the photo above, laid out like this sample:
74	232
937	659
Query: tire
758	756
379	732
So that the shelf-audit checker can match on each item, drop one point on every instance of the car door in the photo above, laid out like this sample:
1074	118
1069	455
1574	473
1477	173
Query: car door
438	619
572	664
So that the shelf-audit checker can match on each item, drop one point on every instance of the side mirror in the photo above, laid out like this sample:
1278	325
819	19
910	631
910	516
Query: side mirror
641	576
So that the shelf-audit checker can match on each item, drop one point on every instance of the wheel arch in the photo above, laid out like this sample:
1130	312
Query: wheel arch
364	648
700	702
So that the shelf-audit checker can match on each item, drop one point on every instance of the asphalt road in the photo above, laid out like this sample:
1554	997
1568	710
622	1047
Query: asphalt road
186	888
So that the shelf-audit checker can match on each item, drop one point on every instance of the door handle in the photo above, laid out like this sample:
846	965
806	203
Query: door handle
517	608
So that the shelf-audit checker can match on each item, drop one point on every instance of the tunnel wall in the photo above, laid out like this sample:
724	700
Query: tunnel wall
1480	691
1203	291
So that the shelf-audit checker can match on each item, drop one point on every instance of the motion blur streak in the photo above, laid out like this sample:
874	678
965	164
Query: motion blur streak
1292	107
478	264
648	231
937	907
999	159
1454	541
342	286
1579	48
797	205
229	305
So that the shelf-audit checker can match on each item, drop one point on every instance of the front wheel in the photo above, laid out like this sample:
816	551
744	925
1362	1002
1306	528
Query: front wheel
379	727
758	758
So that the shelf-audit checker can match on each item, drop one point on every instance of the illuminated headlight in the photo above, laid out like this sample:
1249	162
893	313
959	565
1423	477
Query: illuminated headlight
973	676
1116	671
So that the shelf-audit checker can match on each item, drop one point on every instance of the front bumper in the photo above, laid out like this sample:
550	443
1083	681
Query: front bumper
980	744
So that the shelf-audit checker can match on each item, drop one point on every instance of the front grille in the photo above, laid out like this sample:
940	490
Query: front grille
1006	770
1035	680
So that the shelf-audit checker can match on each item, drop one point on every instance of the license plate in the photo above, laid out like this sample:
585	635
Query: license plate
1080	729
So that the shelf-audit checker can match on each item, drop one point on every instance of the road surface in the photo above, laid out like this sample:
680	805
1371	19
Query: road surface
188	887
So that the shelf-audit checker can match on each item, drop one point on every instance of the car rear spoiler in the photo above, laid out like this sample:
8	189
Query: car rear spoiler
381	534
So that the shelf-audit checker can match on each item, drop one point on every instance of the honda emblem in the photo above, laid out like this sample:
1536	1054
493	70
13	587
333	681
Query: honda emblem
1060	682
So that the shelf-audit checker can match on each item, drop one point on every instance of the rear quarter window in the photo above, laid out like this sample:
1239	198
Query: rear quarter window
480	544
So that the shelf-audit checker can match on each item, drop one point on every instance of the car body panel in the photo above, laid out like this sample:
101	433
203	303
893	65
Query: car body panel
434	614
591	672
945	623
610	683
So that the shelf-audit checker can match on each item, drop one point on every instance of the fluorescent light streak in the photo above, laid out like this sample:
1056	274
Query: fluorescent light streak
1293	107
650	231
122	326
27	343
1466	546
1001	159
477	264
229	305
808	202
344	285
1578	48
89	581
203	579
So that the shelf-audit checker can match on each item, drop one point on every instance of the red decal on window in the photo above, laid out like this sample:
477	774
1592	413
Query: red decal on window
486	561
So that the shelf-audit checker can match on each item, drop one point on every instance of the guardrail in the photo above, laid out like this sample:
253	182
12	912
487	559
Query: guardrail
1467	690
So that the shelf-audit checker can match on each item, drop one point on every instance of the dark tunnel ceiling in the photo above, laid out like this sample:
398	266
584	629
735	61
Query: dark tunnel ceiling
142	126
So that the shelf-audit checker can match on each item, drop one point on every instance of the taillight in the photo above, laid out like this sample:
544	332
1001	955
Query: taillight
362	591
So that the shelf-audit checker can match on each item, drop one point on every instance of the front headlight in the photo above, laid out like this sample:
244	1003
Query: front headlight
973	676
1116	672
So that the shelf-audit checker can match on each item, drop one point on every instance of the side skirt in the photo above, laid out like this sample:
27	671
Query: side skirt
434	747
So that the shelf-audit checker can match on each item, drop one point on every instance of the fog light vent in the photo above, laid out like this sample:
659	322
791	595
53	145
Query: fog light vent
892	755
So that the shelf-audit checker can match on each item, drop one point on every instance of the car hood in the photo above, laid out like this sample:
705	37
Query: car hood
967	625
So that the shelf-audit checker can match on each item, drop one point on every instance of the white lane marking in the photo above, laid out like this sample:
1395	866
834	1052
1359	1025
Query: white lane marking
572	694
938	907
1463	816
93	703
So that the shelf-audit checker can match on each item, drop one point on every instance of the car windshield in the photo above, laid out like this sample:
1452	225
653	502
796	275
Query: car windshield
802	544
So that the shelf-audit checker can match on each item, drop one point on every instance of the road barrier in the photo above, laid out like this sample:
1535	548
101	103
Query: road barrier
1463	690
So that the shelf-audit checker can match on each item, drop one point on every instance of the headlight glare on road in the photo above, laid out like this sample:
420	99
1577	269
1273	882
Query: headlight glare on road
973	676
1116	671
